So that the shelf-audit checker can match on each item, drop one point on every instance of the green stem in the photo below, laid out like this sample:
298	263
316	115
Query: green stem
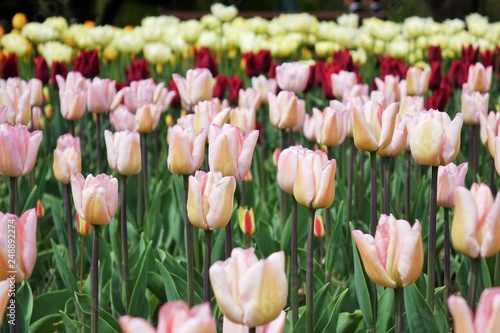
447	262
189	246
69	226
208	261
492	174
398	309
99	144
82	255
13	195
385	168
373	194
144	163
474	144
294	266
431	252
407	184
496	276
350	172
284	136
124	234
72	127
474	275
310	274
361	186
95	281
251	330
156	149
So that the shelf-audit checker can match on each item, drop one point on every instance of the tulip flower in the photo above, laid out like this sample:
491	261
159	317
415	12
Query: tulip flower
95	198
19	149
249	291
122	119
197	86
36	94
293	76
283	109
244	118
475	230
67	158
490	125
417	81
17	102
276	326
249	98
450	177
229	151
301	115
264	86
389	86
398	141
373	126
309	128
342	83
174	317
147	118
72	95
100	95
82	226
209	112
394	257
24	249
330	125
434	139
246	220
487	314
124	152
410	105
144	92
40	211
210	199
287	167
314	185
186	150
319	227
479	78
473	104
4	297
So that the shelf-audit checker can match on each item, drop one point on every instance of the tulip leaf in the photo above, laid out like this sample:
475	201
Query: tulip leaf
385	310
155	285
51	323
418	313
138	306
300	326
169	284
440	317
350	322
266	243
286	235
334	311
63	269
485	273
107	323
361	284
320	298
117	292
49	303
70	325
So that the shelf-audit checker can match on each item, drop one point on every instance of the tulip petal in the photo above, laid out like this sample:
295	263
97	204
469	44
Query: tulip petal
246	154
362	134
179	153
303	188
220	202
222	292
11	163
195	204
491	243
4	296
229	327
462	315
32	151
95	206
463	228
326	192
388	125
451	144
77	184
110	149
133	325
27	234
411	256
276	326
426	142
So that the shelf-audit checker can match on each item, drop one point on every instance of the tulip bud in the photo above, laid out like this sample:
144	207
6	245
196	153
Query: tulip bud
473	104
276	156
248	176
40	211
124	152
319	228
82	226
449	178
247	220
417	81
479	78
186	150
67	158
283	109
293	76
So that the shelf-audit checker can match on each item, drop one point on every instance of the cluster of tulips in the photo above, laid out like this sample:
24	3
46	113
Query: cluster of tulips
247	161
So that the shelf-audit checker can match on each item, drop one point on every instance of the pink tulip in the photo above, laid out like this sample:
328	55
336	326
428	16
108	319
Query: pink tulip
249	98
244	118
124	152
249	291
3	114
358	90
287	167
174	317
17	102
410	105
197	86
24	248
487	317
449	178
417	81
314	185
399	140
229	151
73	103
389	87
309	128
475	230
276	326
434	139
490	125
95	198
283	109
473	104
330	125
479	78
301	115
209	112
264	86
100	95
67	158
36	94
147	118
373	126
74	80
122	119
140	93
18	149
4	297
394	257
293	76
342	83
186	150
210	200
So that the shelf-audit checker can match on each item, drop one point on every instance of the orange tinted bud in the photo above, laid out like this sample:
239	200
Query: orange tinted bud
19	20
319	227
82	226
247	220
248	176
128	28
40	211
89	24
49	111
276	156
169	120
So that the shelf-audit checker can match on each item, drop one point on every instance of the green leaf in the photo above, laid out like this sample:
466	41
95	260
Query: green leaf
322	296
418	313
334	310
49	303
63	269
169	284
48	323
107	323
385	313
440	317
264	238
70	325
138	306
361	284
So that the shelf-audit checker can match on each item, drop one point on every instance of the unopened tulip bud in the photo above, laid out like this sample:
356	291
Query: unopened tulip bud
169	120
82	226
450	177
319	228
40	211
276	156
247	220
248	176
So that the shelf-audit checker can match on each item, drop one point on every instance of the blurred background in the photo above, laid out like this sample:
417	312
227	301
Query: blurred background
130	12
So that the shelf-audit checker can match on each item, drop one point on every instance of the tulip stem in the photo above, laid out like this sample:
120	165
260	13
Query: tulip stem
99	149
474	274
284	136
95	280
144	163
431	251
124	234
407	185
361	186
496	276
156	149
82	256
492	174
398	309
447	262
251	330
474	129
385	167
72	127
228	241
208	261
309	274
69	226
294	266
373	194
13	196
350	173
189	246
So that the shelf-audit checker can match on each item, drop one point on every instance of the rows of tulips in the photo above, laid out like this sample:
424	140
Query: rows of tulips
310	165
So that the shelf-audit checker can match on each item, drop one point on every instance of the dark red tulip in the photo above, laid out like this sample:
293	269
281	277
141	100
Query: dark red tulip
9	66
343	59
458	73
41	70
271	74
436	75
138	70
469	54
203	59
87	63
58	68
326	80
310	80
176	101
435	53
264	60
487	58
391	66
220	86
234	84
437	100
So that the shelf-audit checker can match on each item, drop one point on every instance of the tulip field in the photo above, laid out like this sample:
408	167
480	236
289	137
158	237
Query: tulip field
250	175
